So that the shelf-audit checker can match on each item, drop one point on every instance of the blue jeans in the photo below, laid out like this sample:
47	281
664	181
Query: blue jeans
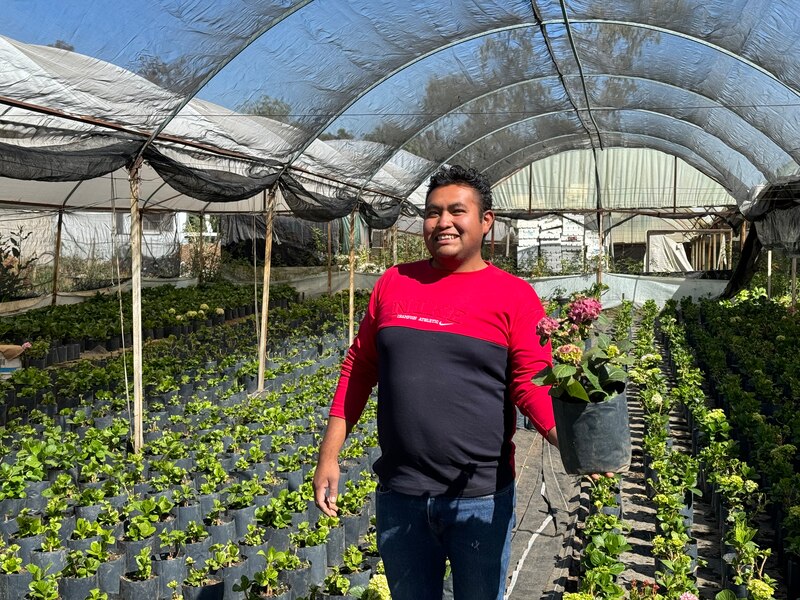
417	533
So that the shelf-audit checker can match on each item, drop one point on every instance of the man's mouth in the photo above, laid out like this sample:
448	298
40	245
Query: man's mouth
443	237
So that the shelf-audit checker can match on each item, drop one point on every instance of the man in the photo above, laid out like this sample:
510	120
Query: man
452	342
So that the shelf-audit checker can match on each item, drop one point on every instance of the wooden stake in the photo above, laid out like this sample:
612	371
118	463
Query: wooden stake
602	254
57	257
202	257
394	244
330	252
262	339
352	305
794	282
136	281
769	273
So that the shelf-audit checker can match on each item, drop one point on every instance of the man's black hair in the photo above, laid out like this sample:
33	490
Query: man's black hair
461	176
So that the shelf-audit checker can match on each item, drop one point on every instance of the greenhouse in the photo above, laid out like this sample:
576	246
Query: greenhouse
198	197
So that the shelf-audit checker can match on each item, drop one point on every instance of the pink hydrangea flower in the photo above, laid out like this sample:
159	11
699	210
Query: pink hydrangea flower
547	327
688	596
569	354
26	345
584	310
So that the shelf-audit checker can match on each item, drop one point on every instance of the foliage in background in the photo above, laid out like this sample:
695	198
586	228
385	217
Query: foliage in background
15	268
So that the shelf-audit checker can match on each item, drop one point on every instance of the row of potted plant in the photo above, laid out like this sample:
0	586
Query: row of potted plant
59	333
760	398
104	479
727	481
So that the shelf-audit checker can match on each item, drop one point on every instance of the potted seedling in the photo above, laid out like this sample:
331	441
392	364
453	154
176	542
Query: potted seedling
43	585
201	585
141	582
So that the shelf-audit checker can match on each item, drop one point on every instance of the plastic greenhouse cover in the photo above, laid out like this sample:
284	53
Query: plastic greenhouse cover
373	95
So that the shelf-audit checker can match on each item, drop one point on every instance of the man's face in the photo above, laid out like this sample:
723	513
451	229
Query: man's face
453	228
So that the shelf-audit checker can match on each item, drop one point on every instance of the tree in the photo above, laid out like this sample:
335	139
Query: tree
341	134
268	106
62	45
176	76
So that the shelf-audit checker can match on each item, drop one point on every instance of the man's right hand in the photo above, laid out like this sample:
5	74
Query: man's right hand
326	486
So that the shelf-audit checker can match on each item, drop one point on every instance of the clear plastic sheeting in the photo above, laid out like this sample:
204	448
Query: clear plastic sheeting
637	289
371	96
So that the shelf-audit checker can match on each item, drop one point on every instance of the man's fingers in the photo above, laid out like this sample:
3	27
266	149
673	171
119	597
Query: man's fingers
325	497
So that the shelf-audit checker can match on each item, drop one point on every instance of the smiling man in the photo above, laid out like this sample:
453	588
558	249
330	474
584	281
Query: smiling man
452	342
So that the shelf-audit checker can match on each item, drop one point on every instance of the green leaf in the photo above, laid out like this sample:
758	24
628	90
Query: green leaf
575	389
725	595
592	379
562	371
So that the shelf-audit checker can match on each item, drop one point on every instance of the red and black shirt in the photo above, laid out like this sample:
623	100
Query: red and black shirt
454	353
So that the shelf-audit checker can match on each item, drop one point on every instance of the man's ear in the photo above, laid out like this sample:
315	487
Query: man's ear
487	220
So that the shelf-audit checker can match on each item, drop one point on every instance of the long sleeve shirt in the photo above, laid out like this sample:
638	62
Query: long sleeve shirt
453	354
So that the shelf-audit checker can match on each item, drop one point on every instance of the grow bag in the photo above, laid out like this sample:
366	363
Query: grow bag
593	437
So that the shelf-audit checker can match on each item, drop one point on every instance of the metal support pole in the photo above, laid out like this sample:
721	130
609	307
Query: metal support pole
57	257
508	241
352	305
262	338
794	282
136	277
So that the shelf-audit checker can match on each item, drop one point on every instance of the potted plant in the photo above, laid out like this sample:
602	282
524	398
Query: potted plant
200	585
169	563
266	582
226	562
43	585
140	583
79	577
14	579
354	567
587	388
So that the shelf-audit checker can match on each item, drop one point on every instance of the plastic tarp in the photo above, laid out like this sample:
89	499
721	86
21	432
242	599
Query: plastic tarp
373	95
665	255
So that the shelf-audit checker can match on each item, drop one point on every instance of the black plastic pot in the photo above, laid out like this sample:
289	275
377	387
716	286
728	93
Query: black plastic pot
168	568
335	547
223	532
138	590
354	527
77	588
360	578
318	557
52	562
593	437
212	591
242	517
109	574
198	551
130	548
231	576
298	581
188	513
14	585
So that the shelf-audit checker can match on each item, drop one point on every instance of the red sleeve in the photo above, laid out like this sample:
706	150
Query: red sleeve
359	372
526	358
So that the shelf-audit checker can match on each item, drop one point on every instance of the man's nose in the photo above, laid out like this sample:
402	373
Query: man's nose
445	220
